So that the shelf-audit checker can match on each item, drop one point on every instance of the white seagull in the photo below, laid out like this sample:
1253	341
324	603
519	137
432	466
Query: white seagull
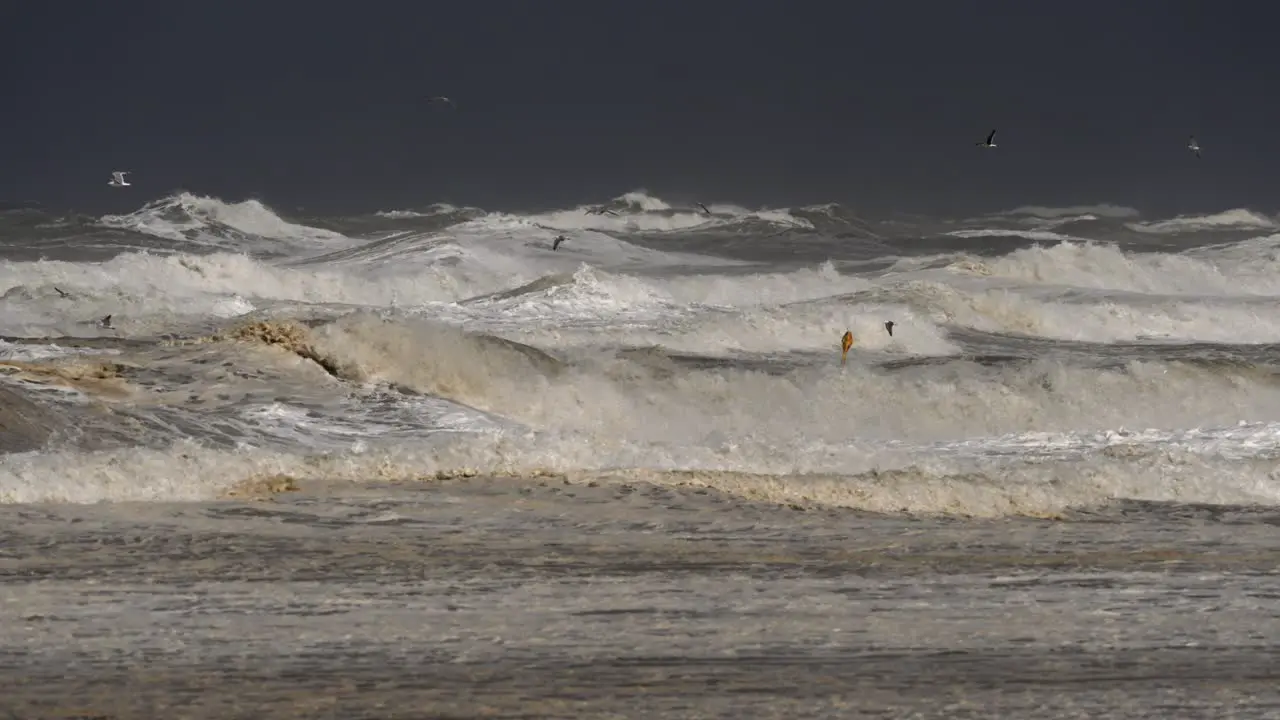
1193	146
988	143
117	178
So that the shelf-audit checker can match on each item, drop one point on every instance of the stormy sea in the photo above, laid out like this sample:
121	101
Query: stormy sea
610	461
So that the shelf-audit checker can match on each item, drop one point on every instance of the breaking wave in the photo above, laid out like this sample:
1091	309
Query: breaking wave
1023	361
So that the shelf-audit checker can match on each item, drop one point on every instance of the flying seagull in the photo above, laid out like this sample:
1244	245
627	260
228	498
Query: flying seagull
1193	146
601	211
443	99
704	208
988	143
556	244
117	178
888	326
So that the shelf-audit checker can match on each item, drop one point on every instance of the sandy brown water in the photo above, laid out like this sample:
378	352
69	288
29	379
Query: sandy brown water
532	598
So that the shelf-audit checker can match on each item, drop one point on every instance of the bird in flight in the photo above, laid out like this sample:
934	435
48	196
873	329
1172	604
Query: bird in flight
445	100
1193	146
117	179
990	143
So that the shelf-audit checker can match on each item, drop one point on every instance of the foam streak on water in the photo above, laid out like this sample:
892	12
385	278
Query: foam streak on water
1044	362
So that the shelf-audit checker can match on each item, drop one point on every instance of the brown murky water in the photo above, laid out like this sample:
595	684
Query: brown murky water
537	599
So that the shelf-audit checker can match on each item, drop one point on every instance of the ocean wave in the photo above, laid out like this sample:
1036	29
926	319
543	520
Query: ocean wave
1237	219
658	341
1037	235
433	210
989	487
659	397
1105	210
145	292
1088	317
186	221
617	397
251	226
1107	267
248	226
638	211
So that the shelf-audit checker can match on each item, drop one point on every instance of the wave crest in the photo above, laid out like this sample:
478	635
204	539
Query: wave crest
1237	219
204	220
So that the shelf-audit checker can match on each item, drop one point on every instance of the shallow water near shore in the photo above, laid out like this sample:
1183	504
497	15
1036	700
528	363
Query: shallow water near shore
537	597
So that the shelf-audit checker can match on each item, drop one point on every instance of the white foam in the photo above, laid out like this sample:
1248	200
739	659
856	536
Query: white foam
150	290
957	436
742	290
1237	219
1106	267
990	485
186	216
815	328
24	352
1095	317
587	295
824	403
638	211
507	238
354	426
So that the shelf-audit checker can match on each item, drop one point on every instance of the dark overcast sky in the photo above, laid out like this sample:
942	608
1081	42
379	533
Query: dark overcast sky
875	104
